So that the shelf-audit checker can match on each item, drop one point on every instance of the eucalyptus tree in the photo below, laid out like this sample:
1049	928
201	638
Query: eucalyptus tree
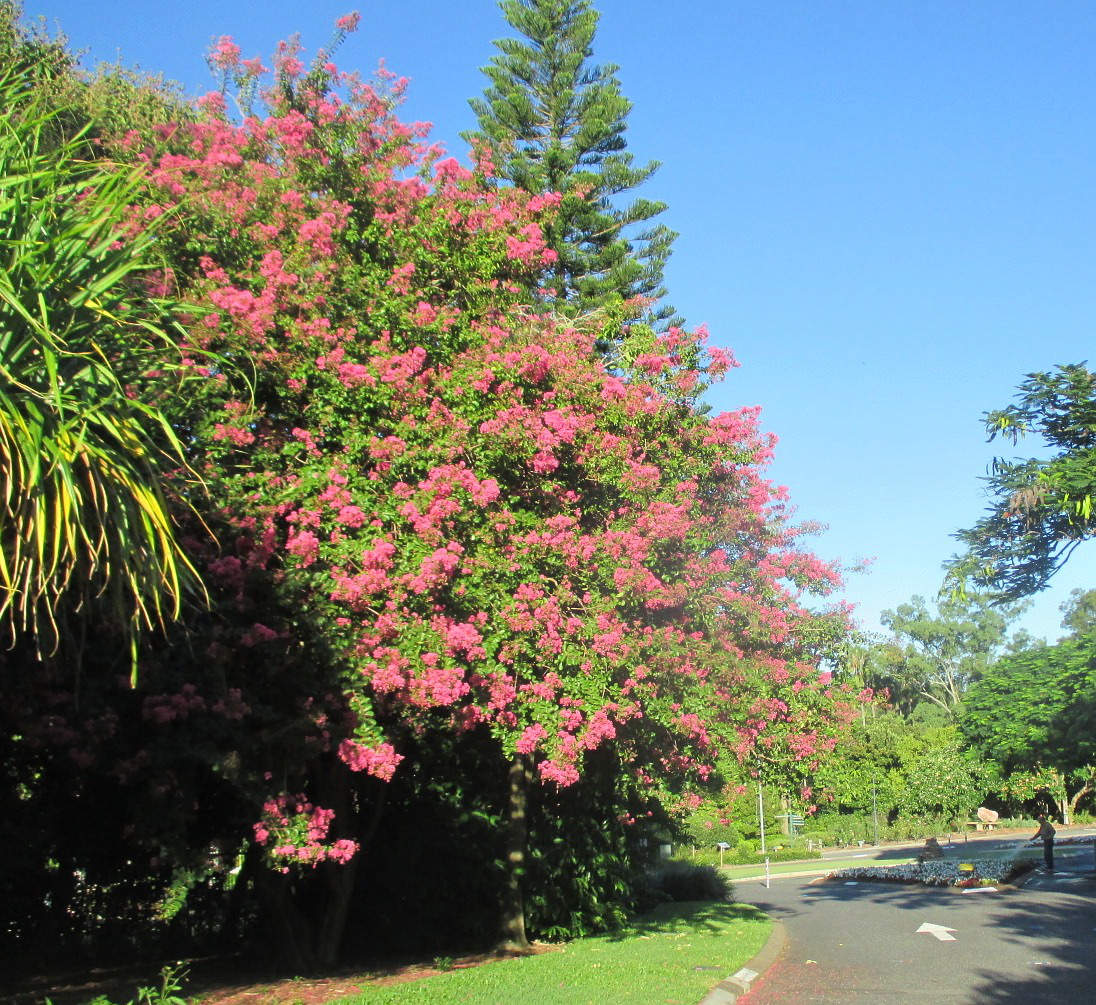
936	656
1079	612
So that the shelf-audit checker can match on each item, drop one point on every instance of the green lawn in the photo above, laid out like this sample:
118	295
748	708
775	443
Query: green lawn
675	954
807	865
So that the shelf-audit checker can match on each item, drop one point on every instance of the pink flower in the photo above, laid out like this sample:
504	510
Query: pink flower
306	546
257	634
380	761
351	516
562	774
225	54
530	738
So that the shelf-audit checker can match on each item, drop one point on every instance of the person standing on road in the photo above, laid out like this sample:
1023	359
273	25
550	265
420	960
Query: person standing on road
1046	832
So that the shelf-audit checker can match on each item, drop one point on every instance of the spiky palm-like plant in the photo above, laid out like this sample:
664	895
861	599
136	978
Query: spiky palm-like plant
85	361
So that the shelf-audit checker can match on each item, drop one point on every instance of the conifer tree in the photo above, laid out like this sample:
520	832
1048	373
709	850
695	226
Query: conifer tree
555	122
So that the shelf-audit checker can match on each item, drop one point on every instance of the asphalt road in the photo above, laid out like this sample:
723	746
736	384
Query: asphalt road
860	944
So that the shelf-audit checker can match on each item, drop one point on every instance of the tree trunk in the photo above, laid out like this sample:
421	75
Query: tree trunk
340	888
512	937
340	879
291	928
1077	796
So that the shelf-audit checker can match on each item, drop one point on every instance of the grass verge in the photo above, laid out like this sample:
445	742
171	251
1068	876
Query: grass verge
675	954
734	872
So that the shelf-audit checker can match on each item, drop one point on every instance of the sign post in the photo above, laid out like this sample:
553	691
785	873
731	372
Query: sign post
761	812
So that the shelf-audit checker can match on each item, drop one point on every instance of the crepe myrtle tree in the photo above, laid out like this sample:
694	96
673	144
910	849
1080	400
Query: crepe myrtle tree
489	530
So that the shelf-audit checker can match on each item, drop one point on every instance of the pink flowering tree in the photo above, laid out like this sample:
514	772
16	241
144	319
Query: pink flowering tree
436	509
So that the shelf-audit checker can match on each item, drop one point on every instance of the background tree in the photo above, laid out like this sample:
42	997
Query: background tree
1043	506
1034	715
937	655
1079	612
555	122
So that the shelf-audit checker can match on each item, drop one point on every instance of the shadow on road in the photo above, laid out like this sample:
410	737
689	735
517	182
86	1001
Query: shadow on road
1059	928
1045	930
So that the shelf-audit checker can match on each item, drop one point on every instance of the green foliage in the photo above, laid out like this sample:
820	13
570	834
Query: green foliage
935	656
555	122
877	760
714	823
30	53
1043	506
943	784
586	868
1037	708
1079	612
168	992
1034	715
778	848
444	533
85	522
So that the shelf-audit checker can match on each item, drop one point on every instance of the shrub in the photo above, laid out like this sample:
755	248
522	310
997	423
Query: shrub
682	881
746	855
779	854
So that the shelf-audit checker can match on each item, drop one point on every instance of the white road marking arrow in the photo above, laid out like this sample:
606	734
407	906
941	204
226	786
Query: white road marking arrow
940	931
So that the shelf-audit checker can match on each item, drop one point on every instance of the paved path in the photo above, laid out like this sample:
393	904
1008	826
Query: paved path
861	945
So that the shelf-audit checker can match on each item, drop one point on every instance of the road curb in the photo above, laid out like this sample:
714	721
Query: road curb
728	990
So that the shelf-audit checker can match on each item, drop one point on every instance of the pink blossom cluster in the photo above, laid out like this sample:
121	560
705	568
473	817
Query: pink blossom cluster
380	761
294	832
163	708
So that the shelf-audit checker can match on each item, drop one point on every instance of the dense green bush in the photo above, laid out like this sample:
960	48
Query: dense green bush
684	881
781	853
747	855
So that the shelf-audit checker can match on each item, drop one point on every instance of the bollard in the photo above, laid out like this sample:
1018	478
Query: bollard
766	874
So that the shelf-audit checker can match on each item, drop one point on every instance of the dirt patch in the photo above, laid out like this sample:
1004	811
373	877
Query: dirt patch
231	982
315	991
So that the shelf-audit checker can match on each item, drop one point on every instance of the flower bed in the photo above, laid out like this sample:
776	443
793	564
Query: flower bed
941	873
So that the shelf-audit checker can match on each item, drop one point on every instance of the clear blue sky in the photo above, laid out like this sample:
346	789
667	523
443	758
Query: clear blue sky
886	210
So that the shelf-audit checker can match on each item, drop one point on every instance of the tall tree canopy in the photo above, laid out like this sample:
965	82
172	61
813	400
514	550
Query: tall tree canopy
446	533
1042	507
1034	714
1079	612
935	657
555	122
